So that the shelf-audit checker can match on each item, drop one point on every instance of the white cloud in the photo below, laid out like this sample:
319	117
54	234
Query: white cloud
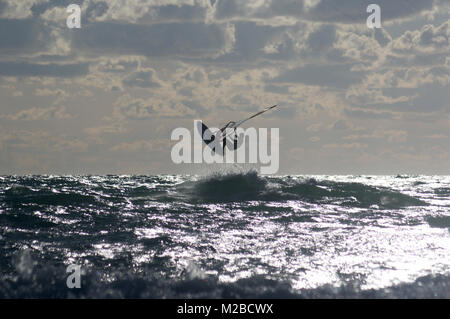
428	39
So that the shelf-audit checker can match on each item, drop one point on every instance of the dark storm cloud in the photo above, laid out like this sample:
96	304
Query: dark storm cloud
182	39
49	70
22	36
337	76
354	11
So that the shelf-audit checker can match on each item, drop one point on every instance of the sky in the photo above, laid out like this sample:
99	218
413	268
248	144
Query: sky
104	98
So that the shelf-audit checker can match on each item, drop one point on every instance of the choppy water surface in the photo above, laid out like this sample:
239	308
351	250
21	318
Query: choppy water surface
233	235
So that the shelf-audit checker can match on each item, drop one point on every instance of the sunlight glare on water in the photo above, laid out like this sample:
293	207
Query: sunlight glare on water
306	232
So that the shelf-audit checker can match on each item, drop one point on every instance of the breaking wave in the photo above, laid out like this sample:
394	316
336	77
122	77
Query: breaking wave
252	187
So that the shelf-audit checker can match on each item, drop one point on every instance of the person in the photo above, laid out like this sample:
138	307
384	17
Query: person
224	140
237	140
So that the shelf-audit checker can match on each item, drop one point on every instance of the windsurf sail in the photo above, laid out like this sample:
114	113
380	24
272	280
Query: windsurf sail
202	128
236	124
254	115
222	133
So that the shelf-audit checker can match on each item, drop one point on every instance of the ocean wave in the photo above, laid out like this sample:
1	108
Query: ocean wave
35	279
134	236
443	192
439	221
19	194
233	187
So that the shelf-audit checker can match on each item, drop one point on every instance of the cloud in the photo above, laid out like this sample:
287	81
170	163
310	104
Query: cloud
37	113
142	79
3	6
48	69
118	65
429	38
416	60
160	40
340	125
139	109
286	8
354	11
95	10
437	136
228	9
338	76
39	141
112	128
196	12
430	97
61	95
70	144
353	46
392	136
40	8
137	146
164	62
251	37
382	36
253	41
365	114
435	36
195	106
396	136
49	92
322	38
328	11
234	9
278	89
346	146
23	36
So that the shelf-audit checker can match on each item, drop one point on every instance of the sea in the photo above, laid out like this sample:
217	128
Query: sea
225	235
